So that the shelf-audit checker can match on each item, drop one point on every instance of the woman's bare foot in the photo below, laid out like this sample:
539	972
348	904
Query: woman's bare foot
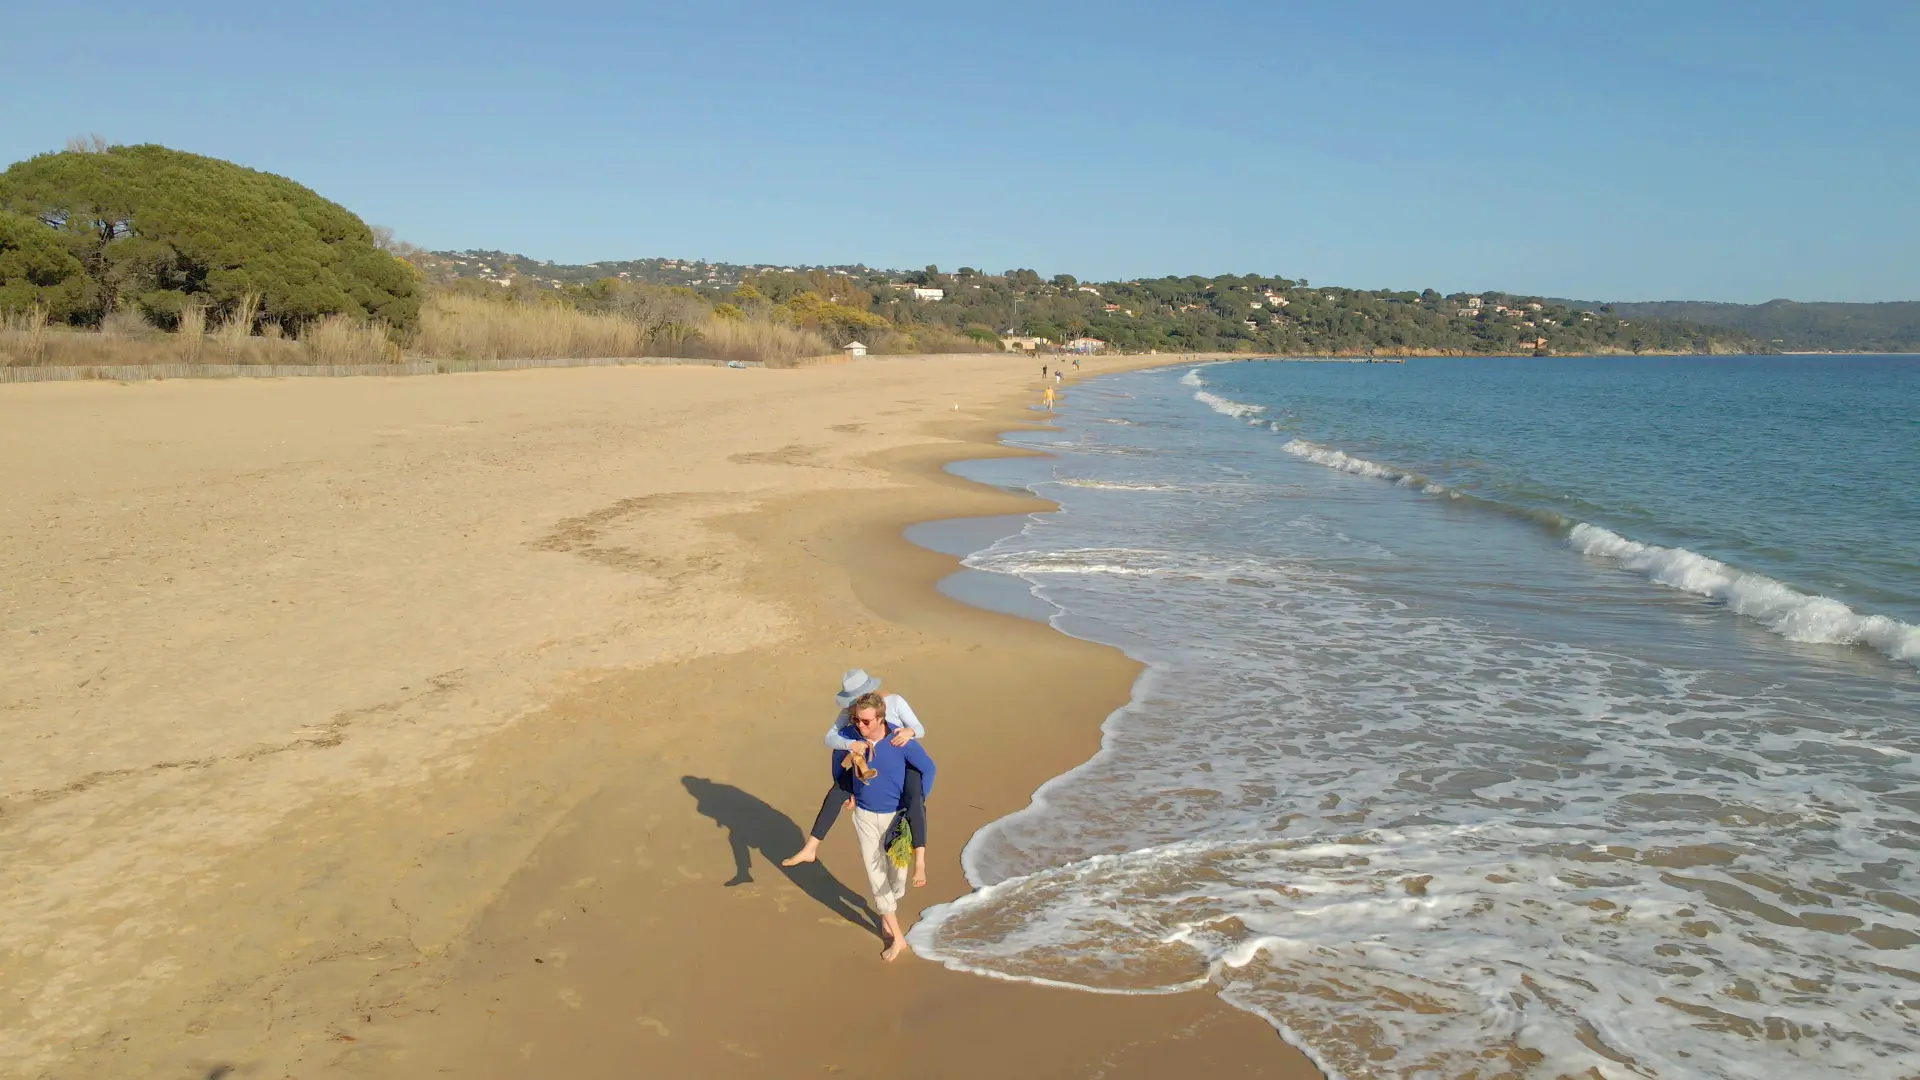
895	946
919	868
809	852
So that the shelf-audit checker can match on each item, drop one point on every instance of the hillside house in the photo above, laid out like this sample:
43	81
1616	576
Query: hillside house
853	349
1085	345
923	293
1021	344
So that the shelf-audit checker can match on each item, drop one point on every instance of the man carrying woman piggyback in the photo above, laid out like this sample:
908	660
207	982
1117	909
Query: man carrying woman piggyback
882	772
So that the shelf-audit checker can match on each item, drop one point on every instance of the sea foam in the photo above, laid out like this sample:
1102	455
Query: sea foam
1115	485
1779	607
1415	835
1227	407
1782	609
1224	406
1345	462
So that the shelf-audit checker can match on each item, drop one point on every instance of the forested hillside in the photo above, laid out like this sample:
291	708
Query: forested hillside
1259	314
500	267
129	240
1792	326
1228	313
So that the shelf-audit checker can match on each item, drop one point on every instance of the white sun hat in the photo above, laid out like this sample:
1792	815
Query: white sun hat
853	684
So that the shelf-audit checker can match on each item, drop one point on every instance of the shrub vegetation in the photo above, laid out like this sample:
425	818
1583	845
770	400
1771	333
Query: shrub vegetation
84	233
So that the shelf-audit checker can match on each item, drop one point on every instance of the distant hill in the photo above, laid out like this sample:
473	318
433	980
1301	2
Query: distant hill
1791	326
504	268
1250	313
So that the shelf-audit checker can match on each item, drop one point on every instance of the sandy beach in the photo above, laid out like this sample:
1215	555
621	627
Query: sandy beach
455	725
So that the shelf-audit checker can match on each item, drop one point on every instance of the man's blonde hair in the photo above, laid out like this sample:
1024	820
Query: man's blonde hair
868	701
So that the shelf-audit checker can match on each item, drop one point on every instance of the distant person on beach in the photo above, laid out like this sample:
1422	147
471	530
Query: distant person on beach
902	727
1043	371
875	772
1049	399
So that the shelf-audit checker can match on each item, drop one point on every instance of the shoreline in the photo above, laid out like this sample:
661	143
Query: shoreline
350	906
941	1012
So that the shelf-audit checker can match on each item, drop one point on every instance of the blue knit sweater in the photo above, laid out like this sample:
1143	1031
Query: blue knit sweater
882	793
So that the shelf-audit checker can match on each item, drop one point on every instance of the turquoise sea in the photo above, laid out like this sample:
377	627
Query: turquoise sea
1500	717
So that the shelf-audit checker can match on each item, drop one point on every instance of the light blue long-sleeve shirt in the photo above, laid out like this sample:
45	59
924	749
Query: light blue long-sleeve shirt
899	714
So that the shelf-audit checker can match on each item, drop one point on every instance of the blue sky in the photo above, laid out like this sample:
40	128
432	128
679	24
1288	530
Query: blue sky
1614	151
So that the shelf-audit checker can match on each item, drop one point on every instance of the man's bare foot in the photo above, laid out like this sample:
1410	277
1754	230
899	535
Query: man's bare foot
919	868
894	948
808	853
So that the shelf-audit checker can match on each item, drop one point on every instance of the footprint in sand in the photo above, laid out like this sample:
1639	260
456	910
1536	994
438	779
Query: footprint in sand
657	1026
569	997
691	874
736	1048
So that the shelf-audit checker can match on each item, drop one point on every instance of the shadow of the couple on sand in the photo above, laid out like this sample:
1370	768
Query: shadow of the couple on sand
752	826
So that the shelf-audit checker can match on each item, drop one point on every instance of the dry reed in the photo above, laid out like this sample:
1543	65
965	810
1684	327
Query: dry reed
455	326
339	339
334	340
452	327
235	334
23	334
755	339
125	322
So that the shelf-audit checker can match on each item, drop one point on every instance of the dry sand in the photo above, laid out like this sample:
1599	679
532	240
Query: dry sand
454	726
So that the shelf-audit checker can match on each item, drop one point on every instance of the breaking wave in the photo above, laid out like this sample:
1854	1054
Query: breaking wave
1440	826
1779	607
1239	410
1117	485
1142	563
1782	609
1228	407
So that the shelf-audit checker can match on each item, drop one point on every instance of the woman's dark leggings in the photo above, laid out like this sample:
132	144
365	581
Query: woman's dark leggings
913	798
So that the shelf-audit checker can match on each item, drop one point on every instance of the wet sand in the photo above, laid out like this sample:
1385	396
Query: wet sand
454	726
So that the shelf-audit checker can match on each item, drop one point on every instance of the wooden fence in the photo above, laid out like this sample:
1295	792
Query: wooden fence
140	372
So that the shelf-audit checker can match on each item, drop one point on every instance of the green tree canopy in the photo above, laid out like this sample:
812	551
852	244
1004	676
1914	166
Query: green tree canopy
159	229
37	270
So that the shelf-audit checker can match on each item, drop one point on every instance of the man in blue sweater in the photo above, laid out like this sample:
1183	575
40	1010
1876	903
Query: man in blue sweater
877	805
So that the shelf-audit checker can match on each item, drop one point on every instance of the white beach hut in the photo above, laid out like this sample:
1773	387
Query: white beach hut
854	348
